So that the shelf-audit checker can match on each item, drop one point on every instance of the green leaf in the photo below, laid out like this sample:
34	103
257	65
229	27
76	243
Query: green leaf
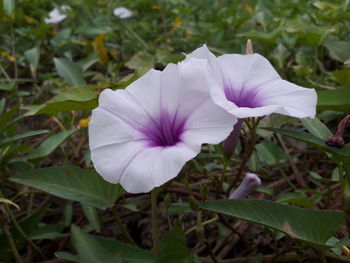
92	215
141	61
270	152
339	154
173	248
7	141
87	244
68	213
343	77
316	127
69	71
269	37
295	199
89	249
73	183
312	226
48	232
126	252
50	144
9	6
75	98
339	50
32	56
338	99
6	117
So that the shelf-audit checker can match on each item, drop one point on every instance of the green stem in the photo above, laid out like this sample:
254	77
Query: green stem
155	232
20	230
12	243
122	227
212	220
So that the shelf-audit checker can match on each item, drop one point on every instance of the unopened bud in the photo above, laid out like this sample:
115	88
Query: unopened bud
249	184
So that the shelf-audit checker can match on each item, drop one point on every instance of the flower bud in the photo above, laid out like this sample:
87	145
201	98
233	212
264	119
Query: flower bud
249	184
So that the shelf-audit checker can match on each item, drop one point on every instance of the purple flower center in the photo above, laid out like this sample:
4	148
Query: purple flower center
164	131
242	97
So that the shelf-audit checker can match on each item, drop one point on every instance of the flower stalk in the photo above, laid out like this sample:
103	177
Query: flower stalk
155	231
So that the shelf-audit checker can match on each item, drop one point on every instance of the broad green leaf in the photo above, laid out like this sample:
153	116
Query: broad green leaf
9	6
316	127
48	232
141	61
295	199
126	252
89	249
308	33
69	71
32	56
52	108
173	248
343	77
270	152
92	215
113	248
339	154
50	144
338	99
74	98
312	226
7	141
73	183
339	50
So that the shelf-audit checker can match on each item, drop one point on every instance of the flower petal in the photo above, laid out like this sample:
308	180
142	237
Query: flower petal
110	161
153	167
106	128
204	53
208	123
123	105
293	100
248	71
146	92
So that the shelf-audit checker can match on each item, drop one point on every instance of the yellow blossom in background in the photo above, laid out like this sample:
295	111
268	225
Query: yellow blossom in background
156	7
187	34
248	8
100	47
30	20
84	123
177	23
7	55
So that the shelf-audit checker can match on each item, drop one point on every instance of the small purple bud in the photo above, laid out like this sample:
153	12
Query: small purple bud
229	145
249	184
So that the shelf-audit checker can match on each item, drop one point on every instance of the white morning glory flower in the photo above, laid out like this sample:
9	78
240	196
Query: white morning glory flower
249	184
55	16
122	12
142	136
248	86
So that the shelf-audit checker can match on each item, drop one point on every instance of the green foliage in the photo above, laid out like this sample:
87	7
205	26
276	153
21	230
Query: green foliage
173	248
298	223
342	154
89	249
69	71
72	183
